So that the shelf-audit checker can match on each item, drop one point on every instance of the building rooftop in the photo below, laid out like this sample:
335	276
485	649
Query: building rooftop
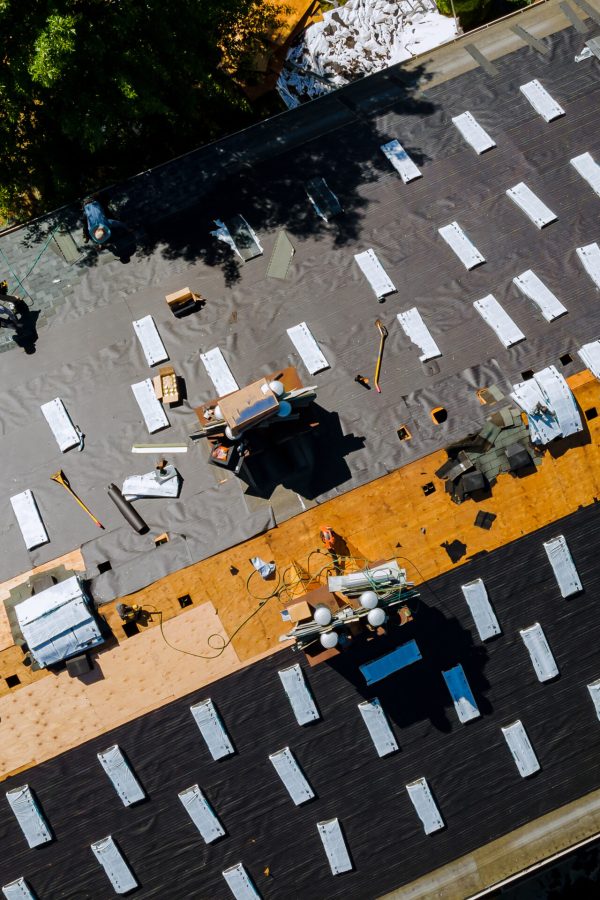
139	693
469	768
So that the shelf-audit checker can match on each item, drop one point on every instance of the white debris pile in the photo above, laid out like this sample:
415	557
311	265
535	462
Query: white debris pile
359	38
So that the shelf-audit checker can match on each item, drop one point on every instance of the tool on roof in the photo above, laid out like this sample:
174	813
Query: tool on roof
61	478
383	333
329	537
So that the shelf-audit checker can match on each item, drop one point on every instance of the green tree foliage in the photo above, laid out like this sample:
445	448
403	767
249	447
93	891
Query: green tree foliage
94	90
472	13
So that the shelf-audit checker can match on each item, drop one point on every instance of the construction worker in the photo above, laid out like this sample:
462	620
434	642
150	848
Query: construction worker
13	310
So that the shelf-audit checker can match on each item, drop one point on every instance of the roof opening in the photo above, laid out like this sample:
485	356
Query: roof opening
566	359
403	433
184	601
527	375
105	566
439	414
428	488
591	413
12	680
130	629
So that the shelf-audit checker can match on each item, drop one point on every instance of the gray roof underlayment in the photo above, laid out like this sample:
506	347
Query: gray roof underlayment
88	355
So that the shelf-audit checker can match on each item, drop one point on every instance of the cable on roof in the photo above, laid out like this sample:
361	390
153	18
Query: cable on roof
283	590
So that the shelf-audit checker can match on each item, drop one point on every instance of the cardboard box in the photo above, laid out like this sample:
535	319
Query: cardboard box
181	300
166	386
248	406
300	612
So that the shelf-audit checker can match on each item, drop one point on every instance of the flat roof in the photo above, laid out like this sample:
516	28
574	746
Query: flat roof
87	352
469	768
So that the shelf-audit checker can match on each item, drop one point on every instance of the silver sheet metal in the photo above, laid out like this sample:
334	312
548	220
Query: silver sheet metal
532	206
417	331
461	693
57	417
401	161
590	260
498	319
473	133
292	776
29	816
594	689
310	352
335	847
240	884
543	425
521	749
560	399
375	274
457	240
559	556
377	723
425	805
299	695
57	623
589	170
29	519
535	289
540	652
150	339
119	771
590	356
112	861
201	813
18	890
355	582
150	408
542	102
212	729
481	609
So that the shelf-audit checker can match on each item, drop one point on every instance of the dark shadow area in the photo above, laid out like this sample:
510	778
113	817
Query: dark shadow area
261	173
455	549
419	691
558	448
310	463
26	335
95	673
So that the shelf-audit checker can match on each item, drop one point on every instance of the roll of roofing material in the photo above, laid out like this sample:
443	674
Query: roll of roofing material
129	513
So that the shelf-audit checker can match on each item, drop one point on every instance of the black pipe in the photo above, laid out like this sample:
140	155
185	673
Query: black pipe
129	513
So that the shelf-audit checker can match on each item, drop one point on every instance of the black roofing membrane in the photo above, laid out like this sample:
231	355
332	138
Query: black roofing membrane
469	768
89	356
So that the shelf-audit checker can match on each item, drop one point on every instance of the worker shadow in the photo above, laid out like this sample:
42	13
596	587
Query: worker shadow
419	691
26	337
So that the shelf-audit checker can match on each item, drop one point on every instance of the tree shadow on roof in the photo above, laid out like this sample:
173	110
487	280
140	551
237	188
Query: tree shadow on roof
261	173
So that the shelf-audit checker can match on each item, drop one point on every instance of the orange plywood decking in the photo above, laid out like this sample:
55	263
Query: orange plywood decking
390	517
44	719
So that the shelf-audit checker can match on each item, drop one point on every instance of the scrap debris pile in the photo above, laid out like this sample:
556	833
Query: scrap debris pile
357	39
505	443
